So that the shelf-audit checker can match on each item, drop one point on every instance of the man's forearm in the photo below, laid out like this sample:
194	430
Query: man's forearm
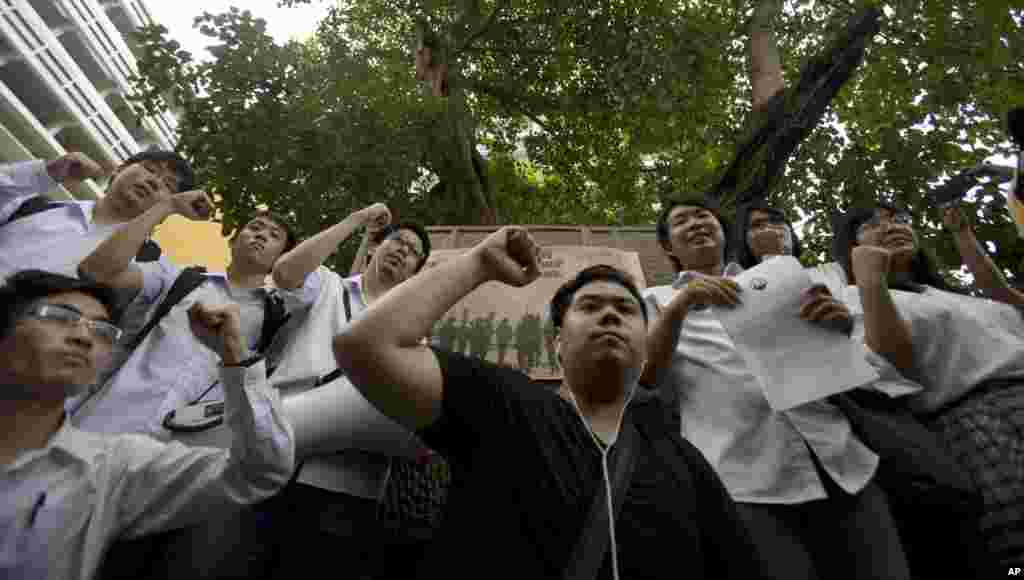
198	483
662	338
986	274
360	260
292	268
113	256
407	312
885	331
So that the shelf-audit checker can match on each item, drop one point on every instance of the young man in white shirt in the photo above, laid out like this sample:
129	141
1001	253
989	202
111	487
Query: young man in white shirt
802	480
169	371
69	494
335	502
56	236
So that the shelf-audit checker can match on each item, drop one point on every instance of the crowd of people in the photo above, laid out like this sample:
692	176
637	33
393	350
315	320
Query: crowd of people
658	450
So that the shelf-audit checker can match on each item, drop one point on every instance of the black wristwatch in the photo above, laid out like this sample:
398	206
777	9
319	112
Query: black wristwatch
247	362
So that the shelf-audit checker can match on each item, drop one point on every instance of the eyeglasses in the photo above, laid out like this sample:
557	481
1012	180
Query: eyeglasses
409	246
773	220
901	218
104	332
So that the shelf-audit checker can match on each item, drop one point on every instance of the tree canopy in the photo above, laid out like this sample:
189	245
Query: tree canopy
550	111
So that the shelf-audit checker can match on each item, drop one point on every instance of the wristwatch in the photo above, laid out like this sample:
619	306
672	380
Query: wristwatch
248	361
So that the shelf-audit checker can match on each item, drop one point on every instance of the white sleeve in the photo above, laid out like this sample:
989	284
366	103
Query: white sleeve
167	485
19	181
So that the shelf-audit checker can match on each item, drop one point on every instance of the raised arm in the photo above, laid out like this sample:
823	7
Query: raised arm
109	262
986	274
291	269
167	486
664	330
885	331
27	178
382	353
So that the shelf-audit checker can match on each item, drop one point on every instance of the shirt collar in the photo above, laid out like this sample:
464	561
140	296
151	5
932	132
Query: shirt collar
68	440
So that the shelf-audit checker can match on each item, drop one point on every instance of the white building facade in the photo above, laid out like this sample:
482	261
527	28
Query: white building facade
65	70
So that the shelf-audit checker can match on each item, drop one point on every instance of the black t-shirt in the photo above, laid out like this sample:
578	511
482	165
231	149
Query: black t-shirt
524	475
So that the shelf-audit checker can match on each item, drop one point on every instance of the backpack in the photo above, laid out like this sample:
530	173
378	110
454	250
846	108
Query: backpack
149	252
274	317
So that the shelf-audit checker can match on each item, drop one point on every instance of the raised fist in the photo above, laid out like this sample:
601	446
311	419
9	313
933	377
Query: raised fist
870	263
74	167
509	255
376	217
218	327
194	204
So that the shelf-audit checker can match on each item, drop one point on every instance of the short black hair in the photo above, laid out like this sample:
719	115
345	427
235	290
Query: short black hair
600	273
291	239
844	238
24	288
419	230
182	168
743	256
697	200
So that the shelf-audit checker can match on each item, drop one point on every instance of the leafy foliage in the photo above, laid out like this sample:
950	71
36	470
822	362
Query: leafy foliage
583	112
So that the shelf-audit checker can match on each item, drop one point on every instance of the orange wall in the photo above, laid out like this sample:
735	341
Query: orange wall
188	243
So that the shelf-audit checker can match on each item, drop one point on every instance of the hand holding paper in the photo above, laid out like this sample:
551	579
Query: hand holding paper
796	360
702	291
818	305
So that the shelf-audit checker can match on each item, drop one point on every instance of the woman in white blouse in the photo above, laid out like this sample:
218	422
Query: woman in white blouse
967	352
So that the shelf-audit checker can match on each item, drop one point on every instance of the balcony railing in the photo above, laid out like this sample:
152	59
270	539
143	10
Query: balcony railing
43	52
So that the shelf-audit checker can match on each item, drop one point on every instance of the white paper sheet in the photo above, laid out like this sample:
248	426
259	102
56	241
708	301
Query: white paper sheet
796	360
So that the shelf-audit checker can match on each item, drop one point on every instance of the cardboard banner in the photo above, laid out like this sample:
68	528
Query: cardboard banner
510	326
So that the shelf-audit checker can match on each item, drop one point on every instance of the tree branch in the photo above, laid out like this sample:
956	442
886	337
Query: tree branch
510	101
486	24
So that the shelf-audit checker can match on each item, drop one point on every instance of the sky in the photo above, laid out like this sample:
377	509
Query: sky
282	23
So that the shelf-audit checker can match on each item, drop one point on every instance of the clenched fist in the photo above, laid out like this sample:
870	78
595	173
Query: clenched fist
74	167
195	205
509	255
219	327
870	264
375	217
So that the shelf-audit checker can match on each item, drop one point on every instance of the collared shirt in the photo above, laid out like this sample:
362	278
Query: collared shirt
762	455
171	368
64	504
310	353
55	240
959	342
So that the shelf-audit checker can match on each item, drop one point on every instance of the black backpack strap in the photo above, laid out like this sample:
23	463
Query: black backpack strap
149	252
33	205
188	280
347	302
348	318
588	555
274	317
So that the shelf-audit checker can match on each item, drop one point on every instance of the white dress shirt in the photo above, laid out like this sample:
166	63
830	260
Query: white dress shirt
171	368
64	504
56	240
310	353
761	455
959	342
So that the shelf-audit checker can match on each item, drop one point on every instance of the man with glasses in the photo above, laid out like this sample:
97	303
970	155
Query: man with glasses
36	232
169	384
69	494
334	506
